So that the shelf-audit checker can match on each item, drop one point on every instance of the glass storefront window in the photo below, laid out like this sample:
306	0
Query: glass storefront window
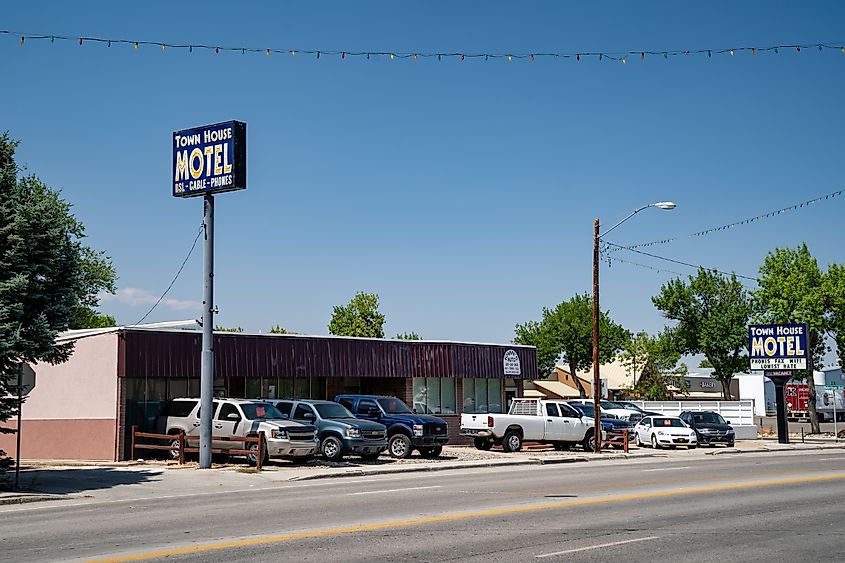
494	395
434	395
252	388
482	395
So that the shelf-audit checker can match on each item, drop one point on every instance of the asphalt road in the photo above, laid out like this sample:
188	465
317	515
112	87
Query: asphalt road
749	507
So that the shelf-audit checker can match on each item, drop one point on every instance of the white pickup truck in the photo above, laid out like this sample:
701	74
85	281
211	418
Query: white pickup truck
531	420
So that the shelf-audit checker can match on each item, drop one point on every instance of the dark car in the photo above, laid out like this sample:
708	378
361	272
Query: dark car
339	431
710	427
609	424
406	430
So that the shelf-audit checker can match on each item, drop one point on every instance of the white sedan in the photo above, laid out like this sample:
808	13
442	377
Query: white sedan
661	431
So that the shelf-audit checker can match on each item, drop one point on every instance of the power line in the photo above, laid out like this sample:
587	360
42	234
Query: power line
619	56
672	260
742	222
185	261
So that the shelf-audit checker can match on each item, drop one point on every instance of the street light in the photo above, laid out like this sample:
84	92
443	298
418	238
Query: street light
666	205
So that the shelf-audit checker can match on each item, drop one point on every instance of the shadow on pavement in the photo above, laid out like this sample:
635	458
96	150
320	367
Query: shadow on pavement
81	479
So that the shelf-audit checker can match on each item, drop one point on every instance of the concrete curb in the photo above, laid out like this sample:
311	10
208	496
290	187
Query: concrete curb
25	498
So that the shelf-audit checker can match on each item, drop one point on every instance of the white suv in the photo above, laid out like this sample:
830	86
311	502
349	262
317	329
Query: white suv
240	417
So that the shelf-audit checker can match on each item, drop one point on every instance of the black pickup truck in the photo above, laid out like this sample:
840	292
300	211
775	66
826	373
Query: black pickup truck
406	430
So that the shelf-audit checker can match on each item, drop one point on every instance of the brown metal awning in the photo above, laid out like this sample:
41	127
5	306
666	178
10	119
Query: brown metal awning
146	353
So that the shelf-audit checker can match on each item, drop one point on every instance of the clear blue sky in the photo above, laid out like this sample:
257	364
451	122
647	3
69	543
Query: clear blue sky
463	193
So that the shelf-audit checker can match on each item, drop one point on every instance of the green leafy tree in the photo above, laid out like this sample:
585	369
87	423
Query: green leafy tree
536	333
98	276
834	290
654	361
278	329
360	317
567	332
792	290
408	336
44	276
713	313
228	329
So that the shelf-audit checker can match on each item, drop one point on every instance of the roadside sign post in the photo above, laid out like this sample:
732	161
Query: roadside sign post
780	351
207	160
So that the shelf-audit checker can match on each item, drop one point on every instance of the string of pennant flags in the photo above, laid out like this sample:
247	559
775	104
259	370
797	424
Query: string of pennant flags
618	56
609	246
743	222
611	259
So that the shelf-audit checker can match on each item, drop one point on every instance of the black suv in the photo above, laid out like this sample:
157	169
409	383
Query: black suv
406	430
710	427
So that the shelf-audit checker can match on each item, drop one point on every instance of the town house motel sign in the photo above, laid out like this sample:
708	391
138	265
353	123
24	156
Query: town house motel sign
208	160
780	351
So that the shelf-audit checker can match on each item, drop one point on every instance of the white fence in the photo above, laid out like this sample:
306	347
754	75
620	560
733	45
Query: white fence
740	414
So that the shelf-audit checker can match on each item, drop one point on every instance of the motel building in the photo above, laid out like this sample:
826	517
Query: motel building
118	377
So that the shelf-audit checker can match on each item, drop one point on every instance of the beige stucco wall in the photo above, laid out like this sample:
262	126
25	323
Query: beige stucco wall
72	411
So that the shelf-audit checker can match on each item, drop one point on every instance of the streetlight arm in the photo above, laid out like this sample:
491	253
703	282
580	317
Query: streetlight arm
634	212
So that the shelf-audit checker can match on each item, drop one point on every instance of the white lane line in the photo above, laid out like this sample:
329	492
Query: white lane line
392	490
832	458
611	544
668	468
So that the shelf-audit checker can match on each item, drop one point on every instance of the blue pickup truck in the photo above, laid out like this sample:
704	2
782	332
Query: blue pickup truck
406	430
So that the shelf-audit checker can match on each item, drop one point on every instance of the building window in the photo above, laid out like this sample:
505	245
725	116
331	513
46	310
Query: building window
434	395
482	395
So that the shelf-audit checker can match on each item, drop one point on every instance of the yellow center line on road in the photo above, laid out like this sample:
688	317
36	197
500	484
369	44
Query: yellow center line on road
280	538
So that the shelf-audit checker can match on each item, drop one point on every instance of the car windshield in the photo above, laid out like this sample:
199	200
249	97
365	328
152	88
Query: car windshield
672	422
333	411
260	411
393	405
708	418
609	405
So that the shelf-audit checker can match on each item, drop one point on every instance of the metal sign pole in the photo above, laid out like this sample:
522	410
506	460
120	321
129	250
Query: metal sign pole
835	433
18	446
207	360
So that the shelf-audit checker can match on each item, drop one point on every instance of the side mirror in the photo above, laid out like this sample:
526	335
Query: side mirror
233	416
727	421
309	416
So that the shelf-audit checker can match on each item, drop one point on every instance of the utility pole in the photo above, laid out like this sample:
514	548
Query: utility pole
596	380
207	359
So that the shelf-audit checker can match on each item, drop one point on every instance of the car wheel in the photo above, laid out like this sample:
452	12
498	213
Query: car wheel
482	444
331	448
589	443
173	452
691	446
512	441
431	453
639	442
370	457
730	444
399	446
252	456
654	443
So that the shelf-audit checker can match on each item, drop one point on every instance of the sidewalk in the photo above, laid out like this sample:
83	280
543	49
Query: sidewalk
57	480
